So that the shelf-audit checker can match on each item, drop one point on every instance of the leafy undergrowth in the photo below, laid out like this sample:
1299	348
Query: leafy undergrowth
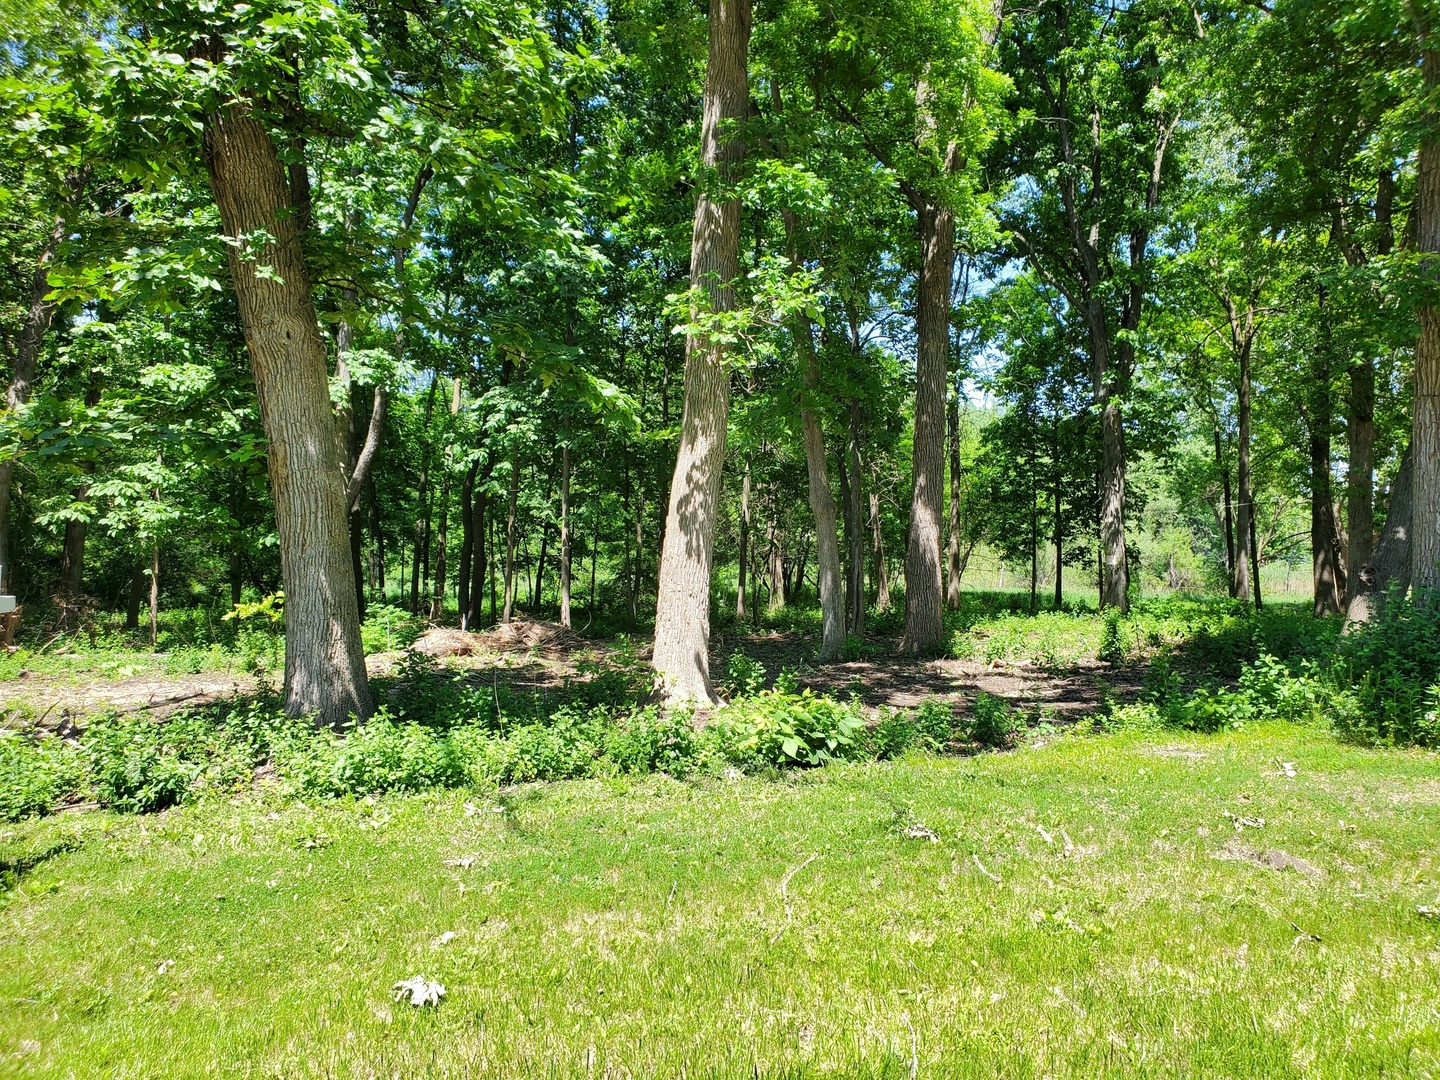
1221	906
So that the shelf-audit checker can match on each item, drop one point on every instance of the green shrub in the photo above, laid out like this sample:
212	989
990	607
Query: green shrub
746	676
893	732
1112	639
935	722
134	765
1393	666
992	722
776	728
648	740
36	772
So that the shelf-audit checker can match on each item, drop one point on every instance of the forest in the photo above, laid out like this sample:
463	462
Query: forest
966	443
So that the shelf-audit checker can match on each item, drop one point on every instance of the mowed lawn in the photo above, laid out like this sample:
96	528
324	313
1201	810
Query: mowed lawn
1098	906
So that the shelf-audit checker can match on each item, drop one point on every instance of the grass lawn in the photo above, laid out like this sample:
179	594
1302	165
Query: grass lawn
1101	906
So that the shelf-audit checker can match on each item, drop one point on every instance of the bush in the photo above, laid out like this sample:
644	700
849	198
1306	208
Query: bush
992	722
649	741
777	728
36	772
1392	664
134	767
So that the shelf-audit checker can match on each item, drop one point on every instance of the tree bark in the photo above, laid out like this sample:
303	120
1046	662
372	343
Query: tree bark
38	314
467	544
478	565
952	581
682	612
1116	586
1390	565
137	597
324	660
1425	415
154	593
924	603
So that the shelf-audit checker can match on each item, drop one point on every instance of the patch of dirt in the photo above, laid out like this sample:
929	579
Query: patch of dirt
890	680
1272	859
52	701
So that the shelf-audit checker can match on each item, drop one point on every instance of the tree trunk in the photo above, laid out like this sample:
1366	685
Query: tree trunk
1245	512
1059	540
952	581
1390	566
855	525
537	595
510	582
1228	523
467	545
775	575
1324	556
1360	478
1116	587
924	597
137	597
22	377
682	611
1425	415
565	537
324	660
154	593
479	561
877	538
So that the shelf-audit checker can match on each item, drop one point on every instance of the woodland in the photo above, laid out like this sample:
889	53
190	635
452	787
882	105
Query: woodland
954	483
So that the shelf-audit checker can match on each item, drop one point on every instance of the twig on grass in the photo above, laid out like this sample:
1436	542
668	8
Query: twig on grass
785	895
981	867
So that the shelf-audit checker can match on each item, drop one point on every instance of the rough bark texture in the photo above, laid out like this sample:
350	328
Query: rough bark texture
324	660
510	543
682	611
924	597
1425	417
1389	567
22	377
877	539
1229	520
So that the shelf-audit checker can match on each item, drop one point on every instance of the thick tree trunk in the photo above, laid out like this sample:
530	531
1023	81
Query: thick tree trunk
324	660
72	557
924	597
952	581
565	537
1425	415
1390	565
775	574
22	377
1245	512
682	612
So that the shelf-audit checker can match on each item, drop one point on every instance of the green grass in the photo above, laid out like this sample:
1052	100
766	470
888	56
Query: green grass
752	926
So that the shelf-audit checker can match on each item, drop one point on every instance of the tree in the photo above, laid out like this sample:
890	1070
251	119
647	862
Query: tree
682	612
